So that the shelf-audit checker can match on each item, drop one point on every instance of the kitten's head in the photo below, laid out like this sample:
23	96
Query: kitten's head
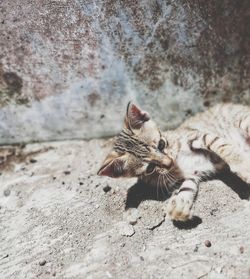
140	150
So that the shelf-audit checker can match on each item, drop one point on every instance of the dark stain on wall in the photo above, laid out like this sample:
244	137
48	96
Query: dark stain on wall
11	85
13	81
93	97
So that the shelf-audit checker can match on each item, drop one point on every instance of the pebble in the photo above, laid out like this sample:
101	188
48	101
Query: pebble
196	248
132	215
208	243
33	161
126	229
132	222
241	249
106	188
42	262
6	192
66	172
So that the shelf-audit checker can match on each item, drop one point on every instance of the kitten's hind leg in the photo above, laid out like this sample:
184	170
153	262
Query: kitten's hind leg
217	145
226	151
243	123
180	205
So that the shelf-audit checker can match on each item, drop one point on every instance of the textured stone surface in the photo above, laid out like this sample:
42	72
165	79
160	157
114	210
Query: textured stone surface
57	225
68	68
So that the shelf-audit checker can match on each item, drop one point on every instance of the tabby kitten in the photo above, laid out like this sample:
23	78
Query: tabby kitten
180	159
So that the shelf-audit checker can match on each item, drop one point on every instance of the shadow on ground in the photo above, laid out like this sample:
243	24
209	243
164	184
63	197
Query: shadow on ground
236	184
140	192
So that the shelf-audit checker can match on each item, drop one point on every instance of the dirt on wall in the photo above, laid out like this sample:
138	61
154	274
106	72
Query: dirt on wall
172	57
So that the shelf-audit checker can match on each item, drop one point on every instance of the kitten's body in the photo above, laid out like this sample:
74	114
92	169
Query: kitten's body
202	146
225	131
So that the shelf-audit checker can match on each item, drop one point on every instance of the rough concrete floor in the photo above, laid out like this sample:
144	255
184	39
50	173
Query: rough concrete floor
59	220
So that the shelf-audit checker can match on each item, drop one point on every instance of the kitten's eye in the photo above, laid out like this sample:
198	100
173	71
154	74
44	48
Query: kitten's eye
150	168
161	144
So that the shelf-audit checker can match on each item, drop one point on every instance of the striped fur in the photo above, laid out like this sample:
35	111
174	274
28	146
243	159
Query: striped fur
126	142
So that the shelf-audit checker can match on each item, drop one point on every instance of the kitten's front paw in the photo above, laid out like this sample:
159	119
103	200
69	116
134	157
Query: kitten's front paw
179	206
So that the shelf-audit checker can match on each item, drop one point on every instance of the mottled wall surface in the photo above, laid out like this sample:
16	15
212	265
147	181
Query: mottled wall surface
68	67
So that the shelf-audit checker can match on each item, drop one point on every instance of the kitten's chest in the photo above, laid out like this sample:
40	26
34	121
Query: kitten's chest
192	163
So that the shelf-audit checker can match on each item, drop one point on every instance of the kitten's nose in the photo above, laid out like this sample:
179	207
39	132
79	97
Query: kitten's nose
167	162
164	161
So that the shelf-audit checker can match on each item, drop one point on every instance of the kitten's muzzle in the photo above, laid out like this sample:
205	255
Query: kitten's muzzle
162	162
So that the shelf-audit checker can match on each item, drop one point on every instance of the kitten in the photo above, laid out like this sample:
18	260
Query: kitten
201	147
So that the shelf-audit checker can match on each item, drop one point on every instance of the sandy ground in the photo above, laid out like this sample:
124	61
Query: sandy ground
59	220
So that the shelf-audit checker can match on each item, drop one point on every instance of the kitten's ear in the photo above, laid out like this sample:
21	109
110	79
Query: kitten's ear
114	166
135	117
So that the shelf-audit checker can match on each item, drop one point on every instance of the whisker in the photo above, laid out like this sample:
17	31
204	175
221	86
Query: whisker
166	183
173	179
157	187
174	176
169	177
162	183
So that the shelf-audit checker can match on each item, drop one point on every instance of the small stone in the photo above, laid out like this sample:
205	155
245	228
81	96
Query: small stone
67	172
42	262
133	222
196	248
241	249
106	188
132	215
208	243
80	183
6	192
126	229
213	212
53	273
33	161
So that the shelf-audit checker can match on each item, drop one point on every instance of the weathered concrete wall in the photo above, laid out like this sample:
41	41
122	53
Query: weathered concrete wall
68	67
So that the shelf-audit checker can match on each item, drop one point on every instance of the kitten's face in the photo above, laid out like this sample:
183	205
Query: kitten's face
139	150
